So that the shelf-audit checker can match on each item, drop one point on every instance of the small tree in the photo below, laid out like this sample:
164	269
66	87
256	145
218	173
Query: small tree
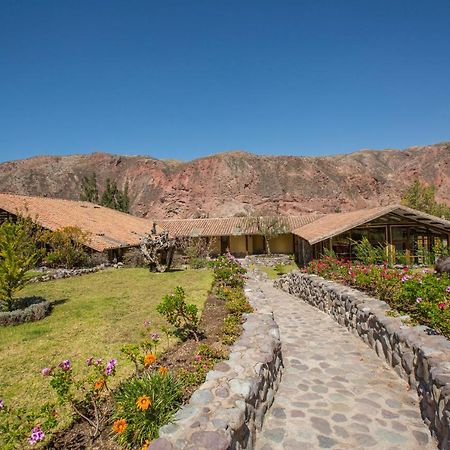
183	316
422	197
114	198
270	227
89	189
18	254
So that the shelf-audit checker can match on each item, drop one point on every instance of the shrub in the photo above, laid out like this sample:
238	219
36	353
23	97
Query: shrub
236	302
84	394
67	247
368	253
144	404
28	309
231	329
18	254
228	271
181	315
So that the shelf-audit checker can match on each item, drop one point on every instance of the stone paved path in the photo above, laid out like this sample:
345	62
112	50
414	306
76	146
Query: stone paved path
335	392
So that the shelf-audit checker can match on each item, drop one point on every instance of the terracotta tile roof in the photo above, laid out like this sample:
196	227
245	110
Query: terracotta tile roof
331	225
226	226
107	227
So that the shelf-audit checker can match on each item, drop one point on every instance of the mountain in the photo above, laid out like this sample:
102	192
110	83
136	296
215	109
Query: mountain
234	183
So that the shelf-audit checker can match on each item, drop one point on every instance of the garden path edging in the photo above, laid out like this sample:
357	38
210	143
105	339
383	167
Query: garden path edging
228	408
421	359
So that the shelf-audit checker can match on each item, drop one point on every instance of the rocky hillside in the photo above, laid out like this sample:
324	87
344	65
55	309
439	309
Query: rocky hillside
233	183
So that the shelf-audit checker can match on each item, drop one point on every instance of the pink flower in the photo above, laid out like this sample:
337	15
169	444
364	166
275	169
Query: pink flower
110	367
448	289
45	372
147	323
442	305
2	404
36	435
65	365
90	361
198	358
98	362
419	299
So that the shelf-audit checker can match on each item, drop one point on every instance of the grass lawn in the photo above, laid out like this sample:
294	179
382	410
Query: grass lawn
94	315
274	273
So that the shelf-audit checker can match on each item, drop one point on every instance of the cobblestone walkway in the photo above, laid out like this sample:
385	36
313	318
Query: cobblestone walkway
335	392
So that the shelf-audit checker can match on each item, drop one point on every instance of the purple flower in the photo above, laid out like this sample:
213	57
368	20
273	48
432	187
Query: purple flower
46	372
2	404
448	289
65	365
406	278
90	361
36	435
110	366
426	270
98	361
419	299
154	336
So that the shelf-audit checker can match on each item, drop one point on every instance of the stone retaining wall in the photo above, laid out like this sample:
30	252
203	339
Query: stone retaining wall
58	274
228	408
418	356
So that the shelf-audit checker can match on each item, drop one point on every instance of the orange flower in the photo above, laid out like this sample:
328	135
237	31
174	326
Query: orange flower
120	425
163	370
99	384
143	403
146	445
150	358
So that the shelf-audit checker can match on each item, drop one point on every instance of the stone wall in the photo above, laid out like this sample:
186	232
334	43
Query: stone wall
58	274
228	408
415	353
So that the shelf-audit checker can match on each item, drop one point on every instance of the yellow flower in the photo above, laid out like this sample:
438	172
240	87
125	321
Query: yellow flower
163	370
120	425
150	358
143	403
99	384
146	445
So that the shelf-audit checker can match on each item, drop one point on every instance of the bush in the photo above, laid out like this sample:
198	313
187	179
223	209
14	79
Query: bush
134	258
182	316
368	253
67	247
228	271
28	309
231	329
143	405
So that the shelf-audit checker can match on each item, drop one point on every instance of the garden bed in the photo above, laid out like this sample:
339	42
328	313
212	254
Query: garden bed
417	293
178	358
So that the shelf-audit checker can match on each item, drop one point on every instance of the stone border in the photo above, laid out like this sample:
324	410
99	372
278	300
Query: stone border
421	358
59	274
229	407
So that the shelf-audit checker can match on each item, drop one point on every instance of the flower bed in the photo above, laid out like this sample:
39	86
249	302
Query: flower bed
418	293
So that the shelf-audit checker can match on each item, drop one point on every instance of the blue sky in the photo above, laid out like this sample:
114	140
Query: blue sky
182	79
